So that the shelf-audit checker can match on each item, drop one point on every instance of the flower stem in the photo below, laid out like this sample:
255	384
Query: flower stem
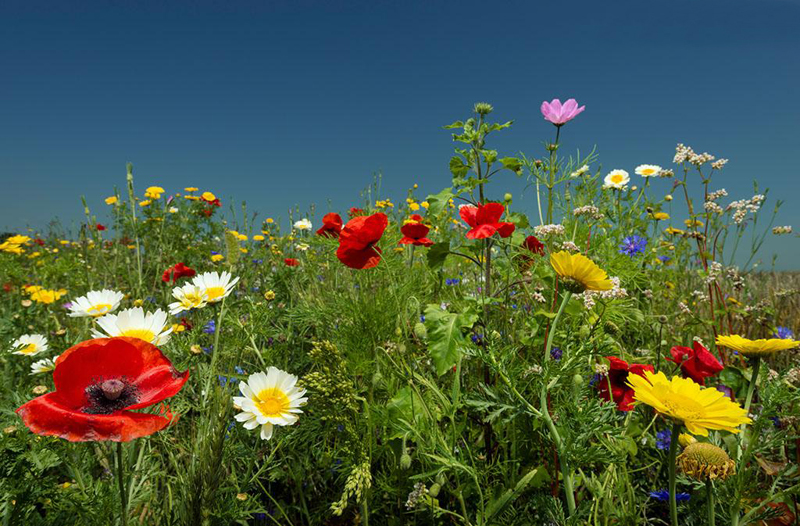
710	502
123	496
673	450
549	344
750	390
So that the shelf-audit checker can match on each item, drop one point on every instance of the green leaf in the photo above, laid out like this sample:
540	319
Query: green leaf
519	219
457	167
513	164
445	337
437	254
439	201
457	124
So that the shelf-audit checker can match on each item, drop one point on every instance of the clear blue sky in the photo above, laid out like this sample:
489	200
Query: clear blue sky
294	102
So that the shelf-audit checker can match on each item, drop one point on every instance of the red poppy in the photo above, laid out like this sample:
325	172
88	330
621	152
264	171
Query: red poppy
187	324
696	362
331	225
357	241
39	241
100	227
618	372
177	271
533	244
353	212
415	232
291	262
484	220
98	384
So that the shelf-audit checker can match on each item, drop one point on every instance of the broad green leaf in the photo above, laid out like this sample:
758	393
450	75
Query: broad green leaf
439	201
437	254
457	167
445	337
513	164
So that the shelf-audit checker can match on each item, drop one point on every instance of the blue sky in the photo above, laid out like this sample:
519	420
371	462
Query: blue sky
292	103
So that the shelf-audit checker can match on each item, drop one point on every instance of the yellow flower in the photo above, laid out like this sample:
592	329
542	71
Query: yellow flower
661	216
425	204
154	192
704	461
45	296
138	303
217	257
191	189
208	196
242	237
270	220
580	272
258	237
413	206
177	327
699	408
692	222
685	439
111	200
755	348
269	295
192	197
671	230
145	202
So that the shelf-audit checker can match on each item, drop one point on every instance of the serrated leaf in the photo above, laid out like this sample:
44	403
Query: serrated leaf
445	337
457	167
513	164
439	201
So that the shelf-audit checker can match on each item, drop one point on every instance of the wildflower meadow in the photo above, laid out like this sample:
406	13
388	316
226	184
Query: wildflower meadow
603	351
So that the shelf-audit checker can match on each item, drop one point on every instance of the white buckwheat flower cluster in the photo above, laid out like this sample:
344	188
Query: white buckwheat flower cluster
780	230
685	154
714	271
569	246
616	292
590	211
743	206
548	230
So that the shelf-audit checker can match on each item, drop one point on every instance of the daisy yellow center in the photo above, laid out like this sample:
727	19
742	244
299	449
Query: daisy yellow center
215	293
648	171
143	334
272	402
616	178
28	349
99	309
192	300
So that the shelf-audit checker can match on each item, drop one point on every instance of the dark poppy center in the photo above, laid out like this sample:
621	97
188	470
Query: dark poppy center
105	396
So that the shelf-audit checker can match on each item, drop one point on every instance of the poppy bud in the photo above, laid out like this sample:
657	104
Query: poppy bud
405	461
420	331
434	490
668	197
507	198
577	380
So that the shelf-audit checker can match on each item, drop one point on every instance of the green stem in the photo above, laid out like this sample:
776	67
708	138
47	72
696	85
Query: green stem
123	497
673	450
565	472
549	345
710	502
750	390
552	183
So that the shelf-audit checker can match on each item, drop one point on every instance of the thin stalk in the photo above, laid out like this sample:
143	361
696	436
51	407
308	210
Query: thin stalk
710	502
552	182
123	496
673	450
549	344
565	472
750	390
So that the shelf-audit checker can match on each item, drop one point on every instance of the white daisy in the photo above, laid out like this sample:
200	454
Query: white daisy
583	170
616	179
302	247
43	366
96	303
648	170
151	327
29	345
270	399
303	224
189	296
216	286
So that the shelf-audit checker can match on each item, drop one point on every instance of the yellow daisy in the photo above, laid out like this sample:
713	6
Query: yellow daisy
699	408
580	272
754	348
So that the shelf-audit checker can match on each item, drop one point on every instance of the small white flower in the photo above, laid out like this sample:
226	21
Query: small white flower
302	247
216	286
618	179
29	345
43	366
583	170
189	297
303	224
648	170
135	323
173	210
96	303
269	399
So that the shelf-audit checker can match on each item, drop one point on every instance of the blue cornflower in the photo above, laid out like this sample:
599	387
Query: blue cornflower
663	496
784	333
632	245
477	339
422	318
664	259
452	281
258	261
211	327
663	439
556	353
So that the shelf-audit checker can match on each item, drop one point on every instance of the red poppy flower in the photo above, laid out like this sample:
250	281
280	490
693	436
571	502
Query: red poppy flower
39	241
415	232
696	362
187	324
100	227
331	225
618	372
353	212
533	244
177	271
291	262
484	220
98	384
357	241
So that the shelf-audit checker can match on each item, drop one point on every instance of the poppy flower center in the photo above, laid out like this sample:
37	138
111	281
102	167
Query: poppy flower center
106	396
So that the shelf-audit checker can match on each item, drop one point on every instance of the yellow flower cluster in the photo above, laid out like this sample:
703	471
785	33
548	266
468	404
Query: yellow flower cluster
14	244
386	203
42	295
153	192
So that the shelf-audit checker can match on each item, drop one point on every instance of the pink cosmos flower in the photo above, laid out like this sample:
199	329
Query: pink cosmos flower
559	114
